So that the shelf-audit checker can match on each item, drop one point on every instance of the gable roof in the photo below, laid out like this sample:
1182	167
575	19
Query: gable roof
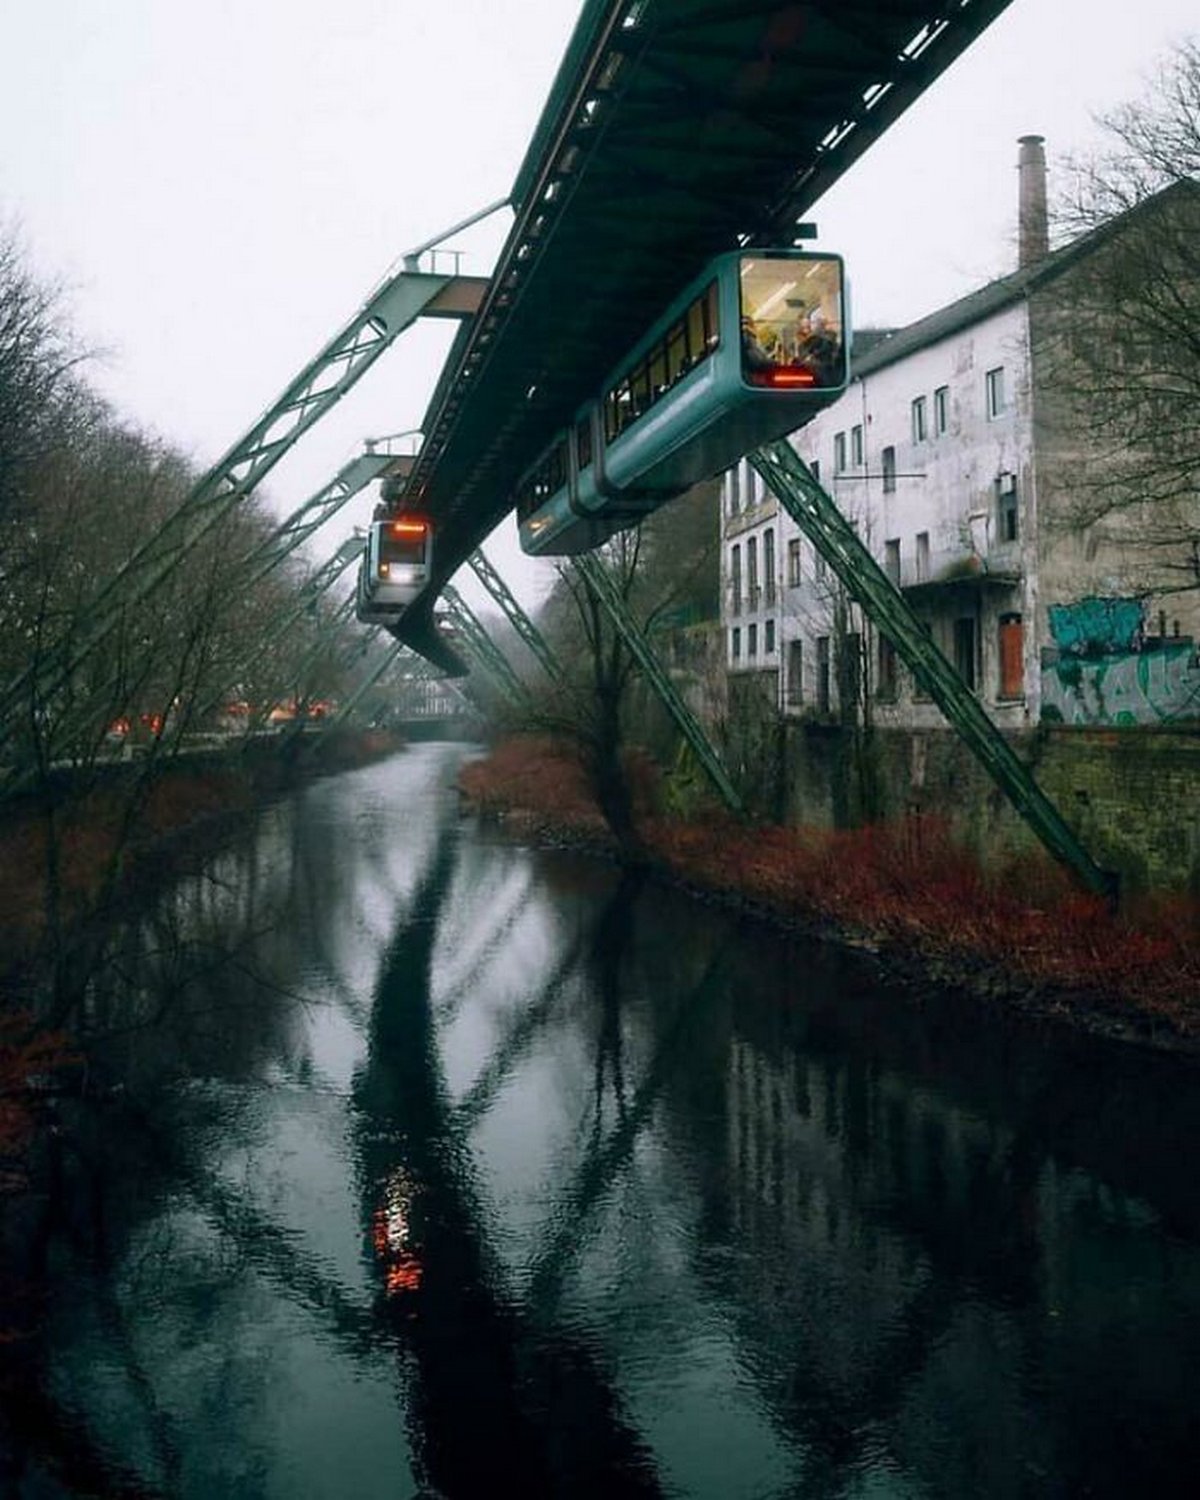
998	294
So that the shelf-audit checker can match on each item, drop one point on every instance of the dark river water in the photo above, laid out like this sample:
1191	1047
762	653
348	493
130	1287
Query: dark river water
422	1165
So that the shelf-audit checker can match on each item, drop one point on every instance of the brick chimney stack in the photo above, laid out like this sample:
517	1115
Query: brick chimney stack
1033	236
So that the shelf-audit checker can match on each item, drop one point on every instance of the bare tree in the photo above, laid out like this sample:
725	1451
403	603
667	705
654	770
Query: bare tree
1117	336
664	572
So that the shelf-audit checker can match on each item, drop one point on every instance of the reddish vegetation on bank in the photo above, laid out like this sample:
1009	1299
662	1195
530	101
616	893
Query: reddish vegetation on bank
907	889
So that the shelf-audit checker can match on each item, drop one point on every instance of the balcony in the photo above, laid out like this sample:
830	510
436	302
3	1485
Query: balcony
973	560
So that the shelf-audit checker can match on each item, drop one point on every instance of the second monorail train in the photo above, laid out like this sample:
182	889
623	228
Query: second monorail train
752	349
395	567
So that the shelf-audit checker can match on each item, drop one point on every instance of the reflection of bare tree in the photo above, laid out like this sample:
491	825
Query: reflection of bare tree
608	948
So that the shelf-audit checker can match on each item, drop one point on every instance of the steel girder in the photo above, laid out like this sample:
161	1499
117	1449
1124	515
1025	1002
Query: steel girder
838	543
596	576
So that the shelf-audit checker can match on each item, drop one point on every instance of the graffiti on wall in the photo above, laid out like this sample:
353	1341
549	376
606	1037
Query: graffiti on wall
1098	626
1156	685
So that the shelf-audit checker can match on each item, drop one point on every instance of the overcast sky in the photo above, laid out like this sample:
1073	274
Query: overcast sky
220	185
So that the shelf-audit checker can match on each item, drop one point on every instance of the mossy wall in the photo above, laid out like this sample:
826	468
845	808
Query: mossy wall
1131	795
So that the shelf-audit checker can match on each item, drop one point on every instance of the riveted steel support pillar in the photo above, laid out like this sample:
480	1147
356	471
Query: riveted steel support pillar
483	648
364	687
395	306
515	615
597	578
838	543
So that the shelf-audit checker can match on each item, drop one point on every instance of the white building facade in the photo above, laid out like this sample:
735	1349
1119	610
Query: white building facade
930	454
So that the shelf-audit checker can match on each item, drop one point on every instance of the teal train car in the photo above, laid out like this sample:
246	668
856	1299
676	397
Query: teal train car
750	351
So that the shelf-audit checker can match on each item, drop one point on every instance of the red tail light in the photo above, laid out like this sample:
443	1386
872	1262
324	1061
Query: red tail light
797	376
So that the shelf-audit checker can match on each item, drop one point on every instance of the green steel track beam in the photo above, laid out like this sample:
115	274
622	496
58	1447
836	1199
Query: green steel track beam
838	543
515	615
310	591
596	576
327	635
394	306
483	648
350	479
364	687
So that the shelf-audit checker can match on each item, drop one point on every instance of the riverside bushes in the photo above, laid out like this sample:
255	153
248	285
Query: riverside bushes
908	889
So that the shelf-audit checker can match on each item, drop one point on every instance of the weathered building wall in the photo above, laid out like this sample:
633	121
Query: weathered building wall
1130	794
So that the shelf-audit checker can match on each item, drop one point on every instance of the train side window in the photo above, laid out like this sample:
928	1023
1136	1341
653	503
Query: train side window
676	353
712	321
658	371
696	333
639	383
583	443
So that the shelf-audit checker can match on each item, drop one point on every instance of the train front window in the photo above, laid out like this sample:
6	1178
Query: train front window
792	322
403	543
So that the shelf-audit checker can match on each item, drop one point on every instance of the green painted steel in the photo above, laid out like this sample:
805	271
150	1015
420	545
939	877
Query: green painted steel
838	543
397	303
364	687
597	577
331	628
515	615
349	481
483	648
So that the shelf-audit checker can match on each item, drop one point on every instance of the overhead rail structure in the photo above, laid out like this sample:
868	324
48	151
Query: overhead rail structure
817	515
462	619
600	582
396	303
675	130
515	615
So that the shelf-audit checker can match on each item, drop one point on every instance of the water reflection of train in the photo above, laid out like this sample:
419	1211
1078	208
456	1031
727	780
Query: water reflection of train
751	350
395	567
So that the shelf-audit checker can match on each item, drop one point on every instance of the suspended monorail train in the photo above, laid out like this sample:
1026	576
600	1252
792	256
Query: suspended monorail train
751	350
395	567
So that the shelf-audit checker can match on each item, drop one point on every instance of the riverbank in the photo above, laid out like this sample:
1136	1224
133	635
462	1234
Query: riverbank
1022	937
76	855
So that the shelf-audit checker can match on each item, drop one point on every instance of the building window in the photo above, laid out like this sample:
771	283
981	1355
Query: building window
839	453
823	674
1012	657
922	557
889	471
919	428
795	673
856	446
752	573
735	489
769	565
941	410
735	579
964	650
794	574
850	672
769	638
736	643
886	689
994	385
891	560
752	641
815	466
1007	521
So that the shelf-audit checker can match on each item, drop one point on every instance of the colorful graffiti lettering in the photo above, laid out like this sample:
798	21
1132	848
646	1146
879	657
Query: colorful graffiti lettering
1095	626
1144	687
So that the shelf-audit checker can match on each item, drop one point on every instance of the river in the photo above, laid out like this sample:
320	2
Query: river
416	1164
